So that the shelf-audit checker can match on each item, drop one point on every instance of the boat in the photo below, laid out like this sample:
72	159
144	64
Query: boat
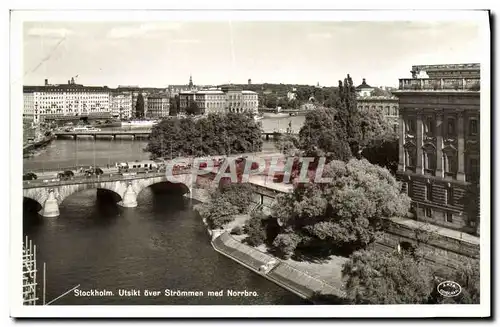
275	115
85	129
139	123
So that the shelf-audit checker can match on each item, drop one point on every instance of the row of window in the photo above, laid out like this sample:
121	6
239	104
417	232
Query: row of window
429	126
388	111
449	162
448	216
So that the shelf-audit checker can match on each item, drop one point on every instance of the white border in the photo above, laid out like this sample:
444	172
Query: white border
16	56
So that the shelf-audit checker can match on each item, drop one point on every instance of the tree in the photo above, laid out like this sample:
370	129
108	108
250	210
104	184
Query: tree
255	229
386	278
174	105
218	211
345	214
139	106
287	144
383	152
321	135
348	115
193	109
214	134
239	195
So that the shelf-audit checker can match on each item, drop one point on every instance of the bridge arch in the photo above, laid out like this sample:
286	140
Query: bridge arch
127	190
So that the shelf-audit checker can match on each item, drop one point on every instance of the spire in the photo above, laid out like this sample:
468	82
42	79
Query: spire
190	80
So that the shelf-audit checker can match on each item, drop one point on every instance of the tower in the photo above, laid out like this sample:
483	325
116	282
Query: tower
190	81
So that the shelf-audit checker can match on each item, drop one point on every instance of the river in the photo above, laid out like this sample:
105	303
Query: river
161	244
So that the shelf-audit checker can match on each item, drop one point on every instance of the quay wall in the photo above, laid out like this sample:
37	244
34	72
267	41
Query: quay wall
282	274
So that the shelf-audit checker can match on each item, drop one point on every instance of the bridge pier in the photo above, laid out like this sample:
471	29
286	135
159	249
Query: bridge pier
74	137
129	198
50	207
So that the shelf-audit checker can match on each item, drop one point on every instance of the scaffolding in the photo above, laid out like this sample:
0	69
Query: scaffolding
29	273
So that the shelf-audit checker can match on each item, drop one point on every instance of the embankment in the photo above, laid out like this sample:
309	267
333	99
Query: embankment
275	270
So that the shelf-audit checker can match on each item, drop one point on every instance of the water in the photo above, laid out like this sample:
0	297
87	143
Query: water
161	244
271	124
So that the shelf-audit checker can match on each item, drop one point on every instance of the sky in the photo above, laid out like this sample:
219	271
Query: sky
157	54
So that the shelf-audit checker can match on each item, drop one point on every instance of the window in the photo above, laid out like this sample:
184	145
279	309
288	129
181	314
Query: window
429	126
473	175
428	212
410	189
428	192
411	126
450	163
449	196
473	126
451	127
449	217
429	160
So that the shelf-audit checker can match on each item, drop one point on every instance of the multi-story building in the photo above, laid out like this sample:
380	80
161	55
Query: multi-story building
388	105
158	106
363	89
56	101
29	107
121	104
224	99
439	143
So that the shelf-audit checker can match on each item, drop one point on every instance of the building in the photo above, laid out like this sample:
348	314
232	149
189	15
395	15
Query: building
388	105
439	143
29	107
66	100
122	105
363	89
158	106
217	100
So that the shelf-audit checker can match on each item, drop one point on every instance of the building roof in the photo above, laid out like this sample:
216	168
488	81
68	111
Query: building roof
248	92
364	85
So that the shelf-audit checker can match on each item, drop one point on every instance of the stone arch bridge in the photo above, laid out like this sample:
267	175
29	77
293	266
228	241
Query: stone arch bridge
51	194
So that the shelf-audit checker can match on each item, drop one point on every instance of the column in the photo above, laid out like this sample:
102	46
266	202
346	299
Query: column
401	164
418	141
129	198
50	207
461	147
439	144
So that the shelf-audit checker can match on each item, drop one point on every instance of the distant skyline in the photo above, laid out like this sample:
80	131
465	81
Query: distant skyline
156	54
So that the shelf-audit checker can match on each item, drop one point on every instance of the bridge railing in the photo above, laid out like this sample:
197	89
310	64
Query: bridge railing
98	179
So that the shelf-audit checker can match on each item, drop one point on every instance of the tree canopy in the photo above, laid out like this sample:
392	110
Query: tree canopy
193	109
139	106
215	134
387	278
225	203
321	135
345	214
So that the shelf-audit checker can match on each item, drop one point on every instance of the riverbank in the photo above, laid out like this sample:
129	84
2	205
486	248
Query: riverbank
303	280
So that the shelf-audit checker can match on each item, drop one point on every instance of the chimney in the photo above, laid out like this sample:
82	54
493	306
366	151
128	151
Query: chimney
68	82
364	80
46	82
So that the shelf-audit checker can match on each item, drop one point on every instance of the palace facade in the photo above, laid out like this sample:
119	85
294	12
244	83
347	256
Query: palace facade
439	138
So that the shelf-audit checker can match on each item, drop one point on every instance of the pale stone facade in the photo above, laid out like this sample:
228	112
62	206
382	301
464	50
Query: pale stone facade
439	142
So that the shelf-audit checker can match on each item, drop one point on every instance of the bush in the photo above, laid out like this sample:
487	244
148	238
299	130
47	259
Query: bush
237	230
286	244
256	230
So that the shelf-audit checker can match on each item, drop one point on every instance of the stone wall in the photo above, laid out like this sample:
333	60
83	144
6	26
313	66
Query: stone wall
440	250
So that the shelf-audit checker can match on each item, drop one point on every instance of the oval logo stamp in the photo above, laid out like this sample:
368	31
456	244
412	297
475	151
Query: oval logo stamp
449	288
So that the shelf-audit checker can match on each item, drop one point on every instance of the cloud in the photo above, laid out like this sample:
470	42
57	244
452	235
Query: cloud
141	30
319	36
49	32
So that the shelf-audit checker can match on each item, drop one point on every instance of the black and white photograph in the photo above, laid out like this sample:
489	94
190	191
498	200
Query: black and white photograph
250	163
